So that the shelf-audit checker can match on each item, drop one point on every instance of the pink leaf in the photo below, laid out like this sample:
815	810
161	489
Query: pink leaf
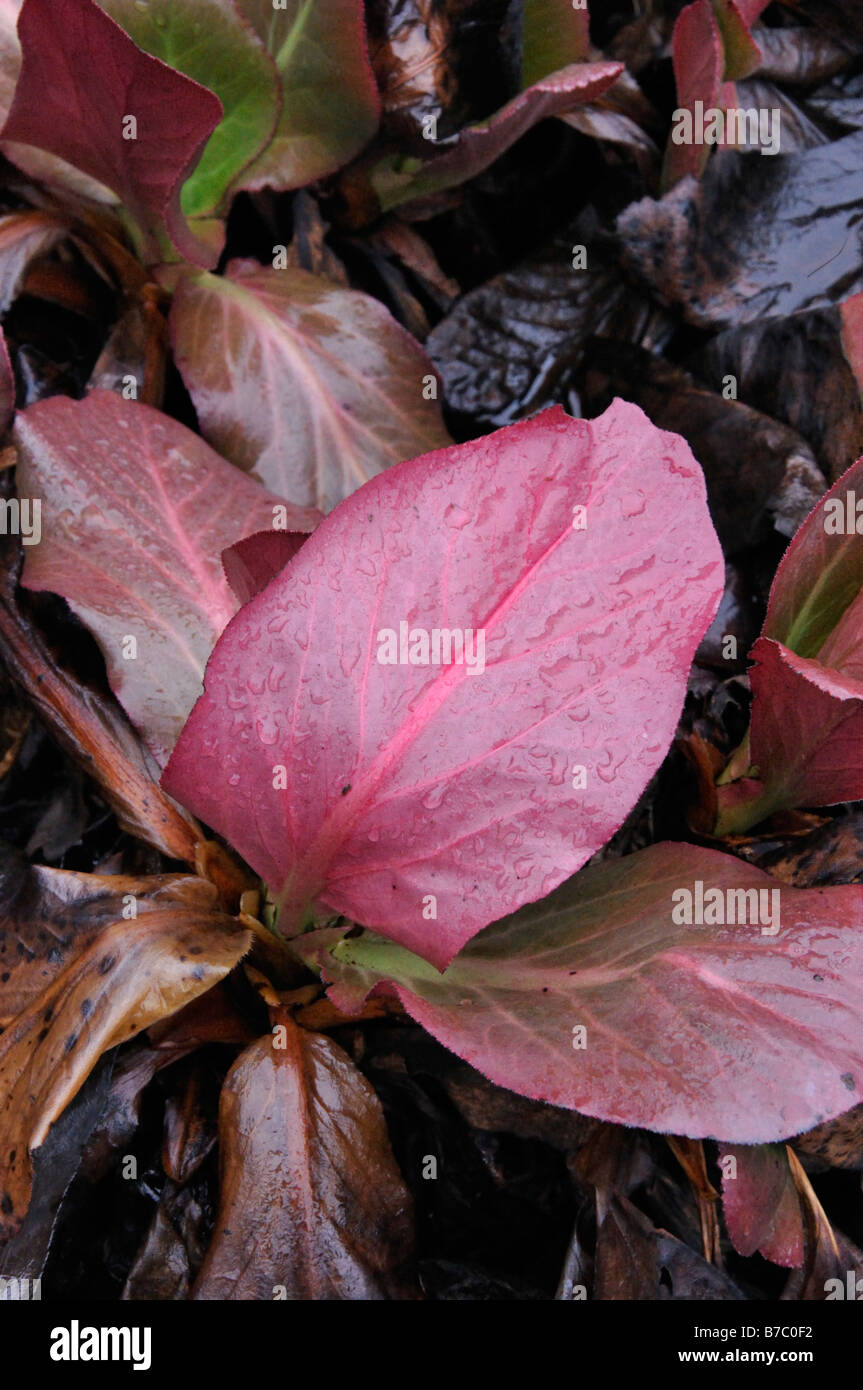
760	1203
251	563
81	79
136	513
714	1030
577	563
478	146
712	48
345	384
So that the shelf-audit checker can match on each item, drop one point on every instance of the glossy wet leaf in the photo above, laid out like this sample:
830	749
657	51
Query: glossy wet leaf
312	1203
133	974
136	513
794	369
330	104
81	78
760	1202
482	782
347	387
695	1030
734	248
210	42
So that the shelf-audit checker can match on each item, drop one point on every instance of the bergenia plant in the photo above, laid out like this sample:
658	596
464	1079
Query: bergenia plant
377	703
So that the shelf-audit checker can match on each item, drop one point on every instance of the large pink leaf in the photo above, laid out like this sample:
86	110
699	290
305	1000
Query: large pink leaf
314	386
426	800
81	78
136	511
478	146
716	1030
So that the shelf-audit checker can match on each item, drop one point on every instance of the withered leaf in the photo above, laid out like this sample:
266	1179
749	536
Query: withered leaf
134	973
312	1203
48	916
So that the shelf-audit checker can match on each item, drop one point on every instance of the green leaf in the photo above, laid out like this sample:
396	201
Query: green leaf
330	105
209	41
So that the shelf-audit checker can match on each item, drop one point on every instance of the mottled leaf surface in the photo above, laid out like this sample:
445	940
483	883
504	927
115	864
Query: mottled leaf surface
711	1030
136	513
734	248
315	387
311	1198
483	788
48	916
133	974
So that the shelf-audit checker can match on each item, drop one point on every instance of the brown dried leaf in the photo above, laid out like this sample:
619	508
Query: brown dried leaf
134	973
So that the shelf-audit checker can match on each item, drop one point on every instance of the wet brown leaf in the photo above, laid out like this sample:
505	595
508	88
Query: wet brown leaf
312	1203
134	973
48	916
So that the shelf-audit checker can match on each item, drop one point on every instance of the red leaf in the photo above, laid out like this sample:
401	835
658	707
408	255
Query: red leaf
761	1205
485	783
698	1030
712	48
137	512
478	146
807	711
81	77
251	563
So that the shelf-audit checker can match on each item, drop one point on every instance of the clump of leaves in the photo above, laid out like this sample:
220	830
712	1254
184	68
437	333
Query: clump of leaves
412	686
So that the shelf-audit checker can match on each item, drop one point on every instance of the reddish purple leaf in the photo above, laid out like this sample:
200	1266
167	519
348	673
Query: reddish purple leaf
713	1030
806	738
136	511
81	80
807	713
251	563
427	799
760	1203
712	48
478	146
